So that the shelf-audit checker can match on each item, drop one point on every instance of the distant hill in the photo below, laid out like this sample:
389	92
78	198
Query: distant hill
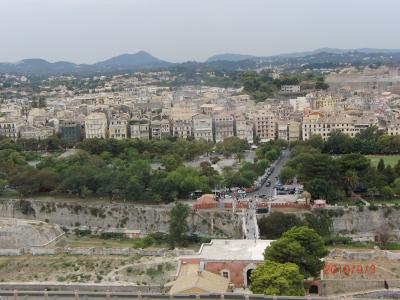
141	59
125	62
238	57
231	57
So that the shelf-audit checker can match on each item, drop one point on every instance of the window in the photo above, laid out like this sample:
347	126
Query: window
225	273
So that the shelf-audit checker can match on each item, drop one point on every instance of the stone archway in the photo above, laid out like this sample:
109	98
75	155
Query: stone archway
246	274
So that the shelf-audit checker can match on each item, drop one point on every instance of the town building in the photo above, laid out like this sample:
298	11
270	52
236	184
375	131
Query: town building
10	127
139	128
264	123
192	280
165	128
290	88
96	126
203	127
118	128
350	125
244	129
232	259
223	126
35	132
70	130
182	128
282	130
294	131
393	129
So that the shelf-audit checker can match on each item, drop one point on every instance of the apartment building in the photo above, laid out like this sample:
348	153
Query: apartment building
35	132
118	128
244	129
139	128
394	129
282	130
223	127
10	127
96	126
290	88
155	129
165	128
264	124
294	131
182	128
203	127
299	103
326	102
349	125
69	130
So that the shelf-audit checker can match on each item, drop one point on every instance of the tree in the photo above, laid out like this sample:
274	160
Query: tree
381	165
3	185
338	143
287	174
301	246
280	279
277	223
178	226
387	192
396	186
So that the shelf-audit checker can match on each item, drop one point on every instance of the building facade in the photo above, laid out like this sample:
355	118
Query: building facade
118	128
96	126
264	124
70	130
203	127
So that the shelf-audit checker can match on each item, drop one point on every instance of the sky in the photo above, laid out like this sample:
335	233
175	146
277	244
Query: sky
87	31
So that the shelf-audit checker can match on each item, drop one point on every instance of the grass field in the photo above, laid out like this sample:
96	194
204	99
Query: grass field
388	159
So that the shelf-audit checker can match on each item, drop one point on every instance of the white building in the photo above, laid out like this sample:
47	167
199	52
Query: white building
299	103
10	127
203	127
264	124
290	88
96	126
349	125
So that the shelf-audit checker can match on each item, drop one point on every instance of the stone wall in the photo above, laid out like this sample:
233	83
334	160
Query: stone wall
147	218
366	221
9	286
155	218
340	286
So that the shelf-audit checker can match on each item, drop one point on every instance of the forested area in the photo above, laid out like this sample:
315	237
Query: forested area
132	170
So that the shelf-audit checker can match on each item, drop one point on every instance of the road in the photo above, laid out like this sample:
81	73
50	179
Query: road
279	164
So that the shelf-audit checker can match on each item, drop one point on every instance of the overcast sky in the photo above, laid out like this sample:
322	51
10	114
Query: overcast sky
86	31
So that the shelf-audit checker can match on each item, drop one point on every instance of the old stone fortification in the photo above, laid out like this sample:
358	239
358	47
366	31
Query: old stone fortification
147	218
354	220
20	233
155	218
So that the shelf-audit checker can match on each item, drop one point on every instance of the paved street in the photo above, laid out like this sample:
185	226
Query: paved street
279	164
250	225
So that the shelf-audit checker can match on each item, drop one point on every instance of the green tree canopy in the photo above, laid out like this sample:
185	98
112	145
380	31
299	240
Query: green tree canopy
301	246
178	226
277	223
280	279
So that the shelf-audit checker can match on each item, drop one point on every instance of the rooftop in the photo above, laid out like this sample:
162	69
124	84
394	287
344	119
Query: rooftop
243	250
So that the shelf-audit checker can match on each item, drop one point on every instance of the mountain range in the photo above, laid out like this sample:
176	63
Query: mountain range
238	57
122	63
144	61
